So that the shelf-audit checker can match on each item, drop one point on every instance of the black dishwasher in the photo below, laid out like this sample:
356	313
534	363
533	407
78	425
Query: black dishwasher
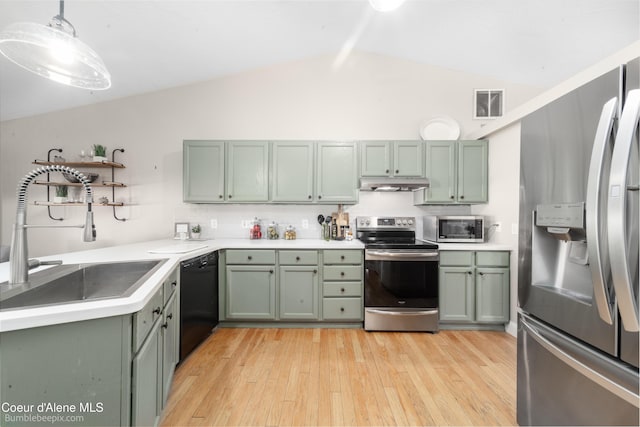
198	301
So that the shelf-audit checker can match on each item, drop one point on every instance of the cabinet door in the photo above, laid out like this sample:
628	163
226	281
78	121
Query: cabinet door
440	169
492	295
375	158
247	171
299	293
146	380
337	174
457	294
170	343
408	158
251	292
203	171
292	169
473	176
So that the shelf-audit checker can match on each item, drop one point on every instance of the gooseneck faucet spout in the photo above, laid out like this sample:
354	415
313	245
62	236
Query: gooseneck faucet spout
19	254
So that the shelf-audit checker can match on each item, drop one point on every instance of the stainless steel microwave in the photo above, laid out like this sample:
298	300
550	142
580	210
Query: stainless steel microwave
453	228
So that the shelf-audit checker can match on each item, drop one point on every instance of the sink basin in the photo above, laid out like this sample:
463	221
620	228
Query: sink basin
78	282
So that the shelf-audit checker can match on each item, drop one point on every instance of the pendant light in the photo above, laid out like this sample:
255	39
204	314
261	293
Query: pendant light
54	51
385	5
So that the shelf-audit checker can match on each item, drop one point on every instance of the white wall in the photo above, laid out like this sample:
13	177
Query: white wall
369	97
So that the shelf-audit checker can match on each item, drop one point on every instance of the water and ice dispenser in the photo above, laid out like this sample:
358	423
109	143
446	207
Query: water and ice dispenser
559	250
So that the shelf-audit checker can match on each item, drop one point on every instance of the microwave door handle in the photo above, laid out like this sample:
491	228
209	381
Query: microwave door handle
616	213
596	242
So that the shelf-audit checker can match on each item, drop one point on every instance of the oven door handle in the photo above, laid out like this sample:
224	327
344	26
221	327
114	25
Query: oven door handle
402	313
376	255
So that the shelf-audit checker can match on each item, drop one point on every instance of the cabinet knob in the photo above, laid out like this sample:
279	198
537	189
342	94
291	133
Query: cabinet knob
387	171
170	316
297	258
469	272
174	283
315	271
271	271
157	310
461	197
165	325
342	273
249	257
341	309
451	197
309	196
319	197
342	290
230	196
481	274
219	196
397	170
342	257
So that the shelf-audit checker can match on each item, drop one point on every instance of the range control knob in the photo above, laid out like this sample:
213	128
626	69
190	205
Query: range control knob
367	222
404	221
410	222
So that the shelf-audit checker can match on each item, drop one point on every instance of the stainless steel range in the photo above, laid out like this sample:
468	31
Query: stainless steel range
400	276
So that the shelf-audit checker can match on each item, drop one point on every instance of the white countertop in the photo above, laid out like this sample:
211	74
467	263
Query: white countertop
77	311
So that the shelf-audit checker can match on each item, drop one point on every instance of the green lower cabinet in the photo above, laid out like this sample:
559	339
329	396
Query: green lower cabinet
251	292
474	287
170	344
457	294
146	380
492	295
299	292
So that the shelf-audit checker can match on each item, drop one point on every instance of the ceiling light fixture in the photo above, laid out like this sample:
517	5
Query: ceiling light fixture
385	5
54	51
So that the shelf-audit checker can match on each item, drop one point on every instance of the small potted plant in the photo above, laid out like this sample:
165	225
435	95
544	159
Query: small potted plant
61	194
195	231
99	153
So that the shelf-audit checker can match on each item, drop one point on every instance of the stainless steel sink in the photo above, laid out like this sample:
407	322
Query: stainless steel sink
78	282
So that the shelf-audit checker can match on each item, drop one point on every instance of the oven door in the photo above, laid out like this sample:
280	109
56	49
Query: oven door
401	289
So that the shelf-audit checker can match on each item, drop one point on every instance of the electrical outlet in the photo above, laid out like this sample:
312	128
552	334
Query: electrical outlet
498	227
214	223
305	223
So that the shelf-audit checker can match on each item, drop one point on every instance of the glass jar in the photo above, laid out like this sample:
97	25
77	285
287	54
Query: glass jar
272	231
256	230
290	233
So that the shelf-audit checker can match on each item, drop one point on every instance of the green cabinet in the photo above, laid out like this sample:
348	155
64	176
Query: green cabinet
203	171
474	287
298	289
457	173
292	171
342	286
170	344
250	284
247	171
391	158
337	172
146	380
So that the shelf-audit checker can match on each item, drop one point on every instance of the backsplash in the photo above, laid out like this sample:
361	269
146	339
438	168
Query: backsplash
230	217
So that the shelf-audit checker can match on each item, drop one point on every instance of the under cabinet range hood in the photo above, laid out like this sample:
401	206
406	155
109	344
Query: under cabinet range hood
392	184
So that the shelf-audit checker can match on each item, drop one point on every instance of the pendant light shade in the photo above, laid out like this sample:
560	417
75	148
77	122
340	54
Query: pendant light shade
53	51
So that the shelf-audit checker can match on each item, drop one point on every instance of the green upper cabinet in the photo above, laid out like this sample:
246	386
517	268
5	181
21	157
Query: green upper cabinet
203	171
386	158
292	171
375	158
337	172
247	171
473	175
457	172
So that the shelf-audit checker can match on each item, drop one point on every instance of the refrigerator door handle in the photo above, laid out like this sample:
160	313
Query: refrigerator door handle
595	218
616	212
583	369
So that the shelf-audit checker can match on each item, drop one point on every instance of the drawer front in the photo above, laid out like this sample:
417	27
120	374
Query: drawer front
343	272
456	258
143	320
492	259
342	308
298	257
251	256
342	289
342	257
170	285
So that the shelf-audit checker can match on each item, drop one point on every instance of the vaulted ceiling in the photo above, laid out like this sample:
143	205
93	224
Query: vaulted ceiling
153	45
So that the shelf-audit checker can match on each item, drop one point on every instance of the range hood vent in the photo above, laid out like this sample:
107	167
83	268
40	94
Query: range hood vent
392	184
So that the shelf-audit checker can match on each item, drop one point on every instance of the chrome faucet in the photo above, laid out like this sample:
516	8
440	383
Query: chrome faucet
19	255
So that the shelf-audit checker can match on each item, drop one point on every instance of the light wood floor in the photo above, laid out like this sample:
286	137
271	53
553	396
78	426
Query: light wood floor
346	377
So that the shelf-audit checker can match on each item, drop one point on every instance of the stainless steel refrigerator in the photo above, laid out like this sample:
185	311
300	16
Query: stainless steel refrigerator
578	256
